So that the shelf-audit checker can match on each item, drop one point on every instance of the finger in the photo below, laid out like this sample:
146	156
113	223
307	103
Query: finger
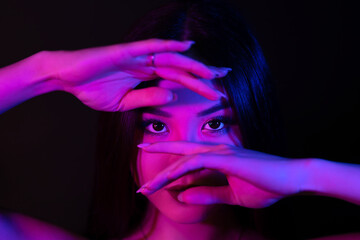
175	60
152	46
152	96
274	175
140	50
220	72
207	195
133	53
189	164
161	179
182	147
178	169
189	81
143	73
149	46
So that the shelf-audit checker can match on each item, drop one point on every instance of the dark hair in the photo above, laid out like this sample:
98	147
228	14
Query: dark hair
222	39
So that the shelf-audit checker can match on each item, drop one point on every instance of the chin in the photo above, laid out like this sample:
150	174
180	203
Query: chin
168	205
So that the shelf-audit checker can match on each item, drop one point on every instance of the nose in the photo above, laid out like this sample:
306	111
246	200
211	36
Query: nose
186	133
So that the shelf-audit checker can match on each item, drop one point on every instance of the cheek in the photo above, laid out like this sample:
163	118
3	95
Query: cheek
231	137
147	138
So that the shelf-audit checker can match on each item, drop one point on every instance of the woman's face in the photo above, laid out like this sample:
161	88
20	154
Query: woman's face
192	118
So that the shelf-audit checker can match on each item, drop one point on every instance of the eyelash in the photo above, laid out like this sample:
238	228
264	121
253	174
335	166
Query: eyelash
225	120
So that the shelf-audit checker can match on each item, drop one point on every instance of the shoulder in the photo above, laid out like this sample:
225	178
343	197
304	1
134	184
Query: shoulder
21	227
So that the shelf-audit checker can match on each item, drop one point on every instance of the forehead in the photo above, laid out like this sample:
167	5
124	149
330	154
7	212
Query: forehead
187	100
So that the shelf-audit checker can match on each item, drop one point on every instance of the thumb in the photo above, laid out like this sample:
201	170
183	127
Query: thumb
207	195
152	96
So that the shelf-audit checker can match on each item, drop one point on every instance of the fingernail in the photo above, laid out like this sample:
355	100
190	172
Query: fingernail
189	42
143	188
170	97
142	145
220	95
226	69
216	95
174	97
180	197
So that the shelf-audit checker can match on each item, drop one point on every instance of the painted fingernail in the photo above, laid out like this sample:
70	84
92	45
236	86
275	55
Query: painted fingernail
222	95
226	69
171	97
190	42
215	95
180	197
219	95
143	189
142	145
174	97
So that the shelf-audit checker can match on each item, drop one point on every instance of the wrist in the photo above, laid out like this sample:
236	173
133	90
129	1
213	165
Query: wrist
41	80
310	168
24	80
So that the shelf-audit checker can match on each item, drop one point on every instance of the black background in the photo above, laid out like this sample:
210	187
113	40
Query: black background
47	144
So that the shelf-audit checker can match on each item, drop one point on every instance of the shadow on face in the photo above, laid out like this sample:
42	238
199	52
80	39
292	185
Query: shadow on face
191	118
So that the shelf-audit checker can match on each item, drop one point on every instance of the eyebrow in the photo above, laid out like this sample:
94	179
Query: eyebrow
205	112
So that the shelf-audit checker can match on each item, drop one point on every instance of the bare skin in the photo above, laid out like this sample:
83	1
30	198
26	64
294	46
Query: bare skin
104	79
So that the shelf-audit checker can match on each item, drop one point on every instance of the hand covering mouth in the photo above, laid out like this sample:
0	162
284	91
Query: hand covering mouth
180	187
211	180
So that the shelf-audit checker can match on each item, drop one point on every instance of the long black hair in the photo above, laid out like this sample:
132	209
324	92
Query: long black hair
222	39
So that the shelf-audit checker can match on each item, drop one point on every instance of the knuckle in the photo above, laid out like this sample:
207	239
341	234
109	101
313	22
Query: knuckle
121	106
118	49
117	53
221	146
43	56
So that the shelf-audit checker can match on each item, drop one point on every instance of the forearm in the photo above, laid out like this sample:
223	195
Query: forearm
333	179
24	80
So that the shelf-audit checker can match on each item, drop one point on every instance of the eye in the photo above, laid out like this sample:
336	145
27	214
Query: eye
154	126
214	125
218	124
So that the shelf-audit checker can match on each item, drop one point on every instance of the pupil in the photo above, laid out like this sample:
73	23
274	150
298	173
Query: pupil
214	124
158	126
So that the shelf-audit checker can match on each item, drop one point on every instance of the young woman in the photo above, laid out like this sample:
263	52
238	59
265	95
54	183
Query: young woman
202	143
